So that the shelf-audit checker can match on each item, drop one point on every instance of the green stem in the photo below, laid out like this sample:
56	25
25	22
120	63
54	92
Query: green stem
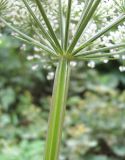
100	33
57	111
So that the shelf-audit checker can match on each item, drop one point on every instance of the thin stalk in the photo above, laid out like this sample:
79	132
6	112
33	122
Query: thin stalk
47	22
89	11
86	53
68	16
86	9
100	33
96	59
57	111
39	24
61	23
101	55
28	42
42	40
84	12
27	38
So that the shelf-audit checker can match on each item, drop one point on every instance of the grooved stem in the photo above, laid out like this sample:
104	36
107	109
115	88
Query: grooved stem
57	110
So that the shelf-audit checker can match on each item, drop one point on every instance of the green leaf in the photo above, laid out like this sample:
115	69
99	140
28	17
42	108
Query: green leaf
7	97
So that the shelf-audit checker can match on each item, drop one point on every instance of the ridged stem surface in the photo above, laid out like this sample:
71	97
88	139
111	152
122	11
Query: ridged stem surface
57	110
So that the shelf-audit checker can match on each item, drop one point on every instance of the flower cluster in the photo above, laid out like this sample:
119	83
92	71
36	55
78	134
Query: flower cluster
18	15
108	10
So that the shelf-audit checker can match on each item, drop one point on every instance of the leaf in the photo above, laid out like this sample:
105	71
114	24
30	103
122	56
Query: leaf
7	97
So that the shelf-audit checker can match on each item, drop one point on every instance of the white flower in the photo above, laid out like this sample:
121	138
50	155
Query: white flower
50	75
122	68
35	67
91	64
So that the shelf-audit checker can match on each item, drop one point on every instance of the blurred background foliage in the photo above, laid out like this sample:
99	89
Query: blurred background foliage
94	126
